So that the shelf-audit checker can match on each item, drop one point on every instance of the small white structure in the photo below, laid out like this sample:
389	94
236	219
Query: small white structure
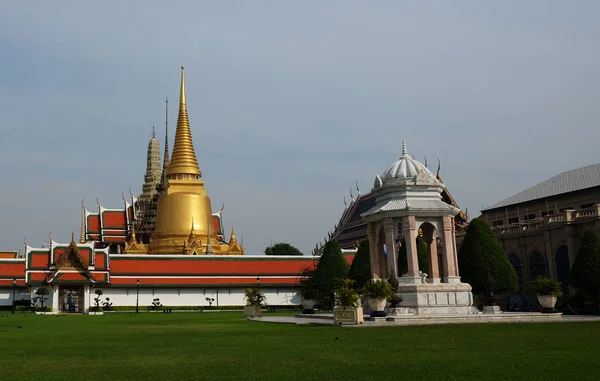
408	199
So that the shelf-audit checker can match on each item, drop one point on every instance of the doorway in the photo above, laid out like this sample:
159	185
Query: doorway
71	299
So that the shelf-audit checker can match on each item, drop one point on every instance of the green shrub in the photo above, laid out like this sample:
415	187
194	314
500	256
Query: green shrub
480	252
360	270
346	295
332	266
585	273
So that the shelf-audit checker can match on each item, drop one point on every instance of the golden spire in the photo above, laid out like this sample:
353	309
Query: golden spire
232	239
132	238
183	163
82	233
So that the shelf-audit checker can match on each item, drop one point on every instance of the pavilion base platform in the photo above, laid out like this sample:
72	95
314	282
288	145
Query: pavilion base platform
427	299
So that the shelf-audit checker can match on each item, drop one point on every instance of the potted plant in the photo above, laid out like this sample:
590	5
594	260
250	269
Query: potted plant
547	291
254	300
308	293
346	308
377	293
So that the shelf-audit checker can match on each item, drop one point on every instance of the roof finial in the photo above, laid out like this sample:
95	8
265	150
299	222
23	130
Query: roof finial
153	131
73	236
404	151
232	237
425	162
437	174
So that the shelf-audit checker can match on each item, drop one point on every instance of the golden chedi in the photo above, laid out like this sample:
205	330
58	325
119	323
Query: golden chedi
184	213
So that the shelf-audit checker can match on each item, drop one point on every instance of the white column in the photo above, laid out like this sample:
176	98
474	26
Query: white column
449	252
86	298
55	299
410	237
434	270
390	243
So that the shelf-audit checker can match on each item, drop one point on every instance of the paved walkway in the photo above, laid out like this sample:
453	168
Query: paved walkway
506	317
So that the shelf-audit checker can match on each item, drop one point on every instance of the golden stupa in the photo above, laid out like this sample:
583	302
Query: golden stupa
184	213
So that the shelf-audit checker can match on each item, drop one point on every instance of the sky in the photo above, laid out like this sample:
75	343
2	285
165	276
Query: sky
290	103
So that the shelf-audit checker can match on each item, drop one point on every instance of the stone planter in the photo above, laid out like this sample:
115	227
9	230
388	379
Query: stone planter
377	307
308	306
547	302
252	311
348	315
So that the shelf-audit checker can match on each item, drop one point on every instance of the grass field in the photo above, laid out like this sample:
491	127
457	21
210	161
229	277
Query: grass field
224	346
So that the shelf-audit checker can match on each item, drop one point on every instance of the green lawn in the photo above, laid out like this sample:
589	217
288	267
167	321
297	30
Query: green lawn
224	346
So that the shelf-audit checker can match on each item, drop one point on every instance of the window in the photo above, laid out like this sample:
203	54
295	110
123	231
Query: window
585	206
530	217
498	223
544	214
513	220
567	208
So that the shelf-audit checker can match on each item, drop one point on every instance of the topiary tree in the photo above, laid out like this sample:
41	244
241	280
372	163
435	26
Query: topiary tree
282	249
41	295
480	252
585	273
331	268
422	255
360	270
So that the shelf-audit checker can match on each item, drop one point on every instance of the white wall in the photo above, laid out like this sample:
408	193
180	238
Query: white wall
192	296
6	295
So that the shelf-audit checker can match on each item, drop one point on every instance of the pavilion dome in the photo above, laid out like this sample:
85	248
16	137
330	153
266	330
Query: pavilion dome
405	167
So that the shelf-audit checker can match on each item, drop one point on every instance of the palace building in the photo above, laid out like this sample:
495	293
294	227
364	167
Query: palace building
541	227
165	244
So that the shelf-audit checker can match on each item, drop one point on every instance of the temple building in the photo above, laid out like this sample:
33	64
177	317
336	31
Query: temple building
166	244
541	227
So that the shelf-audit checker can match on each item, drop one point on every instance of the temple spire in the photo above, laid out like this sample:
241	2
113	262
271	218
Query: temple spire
404	150
232	239
82	233
184	164
166	154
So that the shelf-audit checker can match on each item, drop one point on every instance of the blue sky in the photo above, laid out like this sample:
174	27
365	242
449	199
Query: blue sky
290	103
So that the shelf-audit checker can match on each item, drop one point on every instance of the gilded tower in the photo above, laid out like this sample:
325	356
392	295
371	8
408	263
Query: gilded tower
184	215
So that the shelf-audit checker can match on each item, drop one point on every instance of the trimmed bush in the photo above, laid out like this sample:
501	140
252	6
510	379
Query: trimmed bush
481	251
360	271
331	268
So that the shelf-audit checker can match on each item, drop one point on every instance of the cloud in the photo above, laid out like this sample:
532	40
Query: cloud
290	104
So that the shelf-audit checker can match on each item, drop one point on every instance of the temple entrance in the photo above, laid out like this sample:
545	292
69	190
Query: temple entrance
71	299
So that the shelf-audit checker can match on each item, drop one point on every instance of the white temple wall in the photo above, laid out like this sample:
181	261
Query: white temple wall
233	296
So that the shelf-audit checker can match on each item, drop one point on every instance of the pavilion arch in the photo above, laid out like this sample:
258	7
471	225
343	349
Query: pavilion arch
537	265
563	268
515	261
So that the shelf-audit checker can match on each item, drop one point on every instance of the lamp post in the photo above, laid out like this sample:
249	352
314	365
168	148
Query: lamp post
13	298
137	297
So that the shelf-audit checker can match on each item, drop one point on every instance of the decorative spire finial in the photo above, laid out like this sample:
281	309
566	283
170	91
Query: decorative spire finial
426	162
404	151
232	237
183	160
166	154
153	131
437	174
72	236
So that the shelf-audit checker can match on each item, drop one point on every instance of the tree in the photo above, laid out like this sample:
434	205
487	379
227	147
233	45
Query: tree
360	270
41	295
480	252
282	249
585	273
422	255
331	268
